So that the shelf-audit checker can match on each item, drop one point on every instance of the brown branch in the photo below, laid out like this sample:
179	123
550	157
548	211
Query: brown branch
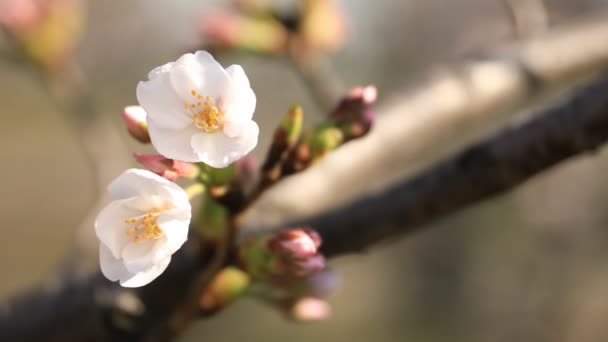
492	167
90	308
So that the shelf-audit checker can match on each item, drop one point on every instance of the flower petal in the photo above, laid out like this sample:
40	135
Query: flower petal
238	77
142	183
112	268
242	104
143	278
173	144
185	79
160	70
201	73
175	224
110	227
218	150
140	256
217	83
161	103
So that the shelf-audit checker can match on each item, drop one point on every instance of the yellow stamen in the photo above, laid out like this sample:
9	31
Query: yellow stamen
206	116
144	226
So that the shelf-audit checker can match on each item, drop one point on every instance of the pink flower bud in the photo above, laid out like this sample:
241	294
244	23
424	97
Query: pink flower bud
135	120
168	168
18	16
308	266
323	283
356	102
295	243
309	309
225	29
355	111
367	95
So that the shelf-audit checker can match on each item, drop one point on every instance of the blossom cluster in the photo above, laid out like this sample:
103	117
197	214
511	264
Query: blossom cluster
192	111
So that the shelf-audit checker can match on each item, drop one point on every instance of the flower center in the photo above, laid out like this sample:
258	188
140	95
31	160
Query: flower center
205	114
144	226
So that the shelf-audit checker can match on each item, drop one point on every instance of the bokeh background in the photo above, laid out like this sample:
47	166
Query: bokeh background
531	265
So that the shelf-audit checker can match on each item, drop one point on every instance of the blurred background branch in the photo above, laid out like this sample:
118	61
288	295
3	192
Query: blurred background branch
457	107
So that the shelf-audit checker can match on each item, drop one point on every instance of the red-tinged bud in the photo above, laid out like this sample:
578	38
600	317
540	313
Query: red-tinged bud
355	114
323	283
367	95
135	120
168	168
19	15
47	31
310	309
224	29
307	266
295	243
356	102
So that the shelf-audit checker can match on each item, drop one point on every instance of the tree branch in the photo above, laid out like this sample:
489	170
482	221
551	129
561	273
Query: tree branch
492	167
88	307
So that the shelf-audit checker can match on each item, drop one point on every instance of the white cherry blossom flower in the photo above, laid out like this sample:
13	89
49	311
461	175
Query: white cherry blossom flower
146	223
199	112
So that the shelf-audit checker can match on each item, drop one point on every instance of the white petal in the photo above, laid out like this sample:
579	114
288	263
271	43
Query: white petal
185	79
242	104
173	144
143	278
159	70
175	224
202	73
142	255
238	76
217	83
234	129
110	227
112	268
218	150
162	104
142	183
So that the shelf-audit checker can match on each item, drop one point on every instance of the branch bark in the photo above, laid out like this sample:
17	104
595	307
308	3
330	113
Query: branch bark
88	307
492	167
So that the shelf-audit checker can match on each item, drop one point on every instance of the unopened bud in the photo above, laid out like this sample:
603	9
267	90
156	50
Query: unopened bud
310	309
307	266
17	16
356	102
135	120
291	125
295	243
229	284
226	30
323	283
324	25
46	30
325	140
355	113
168	168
